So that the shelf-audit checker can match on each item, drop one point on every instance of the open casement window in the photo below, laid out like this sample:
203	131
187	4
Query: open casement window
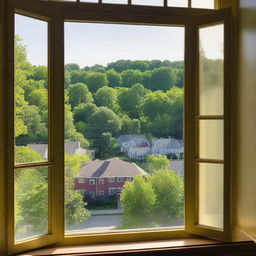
45	172
207	207
207	174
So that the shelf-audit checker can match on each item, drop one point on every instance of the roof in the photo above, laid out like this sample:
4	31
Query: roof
113	167
129	137
40	148
166	143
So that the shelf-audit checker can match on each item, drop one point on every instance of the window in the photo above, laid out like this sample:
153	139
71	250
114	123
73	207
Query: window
101	193
203	164
80	180
91	181
111	180
101	181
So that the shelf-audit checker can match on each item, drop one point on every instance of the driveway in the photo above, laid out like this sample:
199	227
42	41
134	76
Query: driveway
97	224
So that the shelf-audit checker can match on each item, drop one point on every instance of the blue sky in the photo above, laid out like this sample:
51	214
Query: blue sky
93	43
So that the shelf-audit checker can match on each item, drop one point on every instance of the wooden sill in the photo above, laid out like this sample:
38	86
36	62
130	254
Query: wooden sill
193	246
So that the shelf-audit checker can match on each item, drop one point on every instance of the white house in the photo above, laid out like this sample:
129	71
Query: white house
139	152
131	141
165	146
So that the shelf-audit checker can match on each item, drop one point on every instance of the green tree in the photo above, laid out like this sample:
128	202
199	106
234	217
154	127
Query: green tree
96	80
130	126
106	96
138	200
26	155
162	79
102	121
79	93
131	77
160	126
72	66
78	76
159	162
114	78
40	73
83	111
168	188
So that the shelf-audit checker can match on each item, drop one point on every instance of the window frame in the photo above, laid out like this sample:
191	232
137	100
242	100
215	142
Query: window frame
107	14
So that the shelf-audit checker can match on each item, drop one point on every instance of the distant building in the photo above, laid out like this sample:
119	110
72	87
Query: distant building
177	166
71	148
131	140
138	152
165	146
103	178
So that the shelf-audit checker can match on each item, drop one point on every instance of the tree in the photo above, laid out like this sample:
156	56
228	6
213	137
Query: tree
79	93
78	76
26	155
138	200
162	79
130	126
102	121
131	77
114	78
159	162
168	188
39	98
75	211
83	111
131	100
106	144
139	65
107	97
96	80
40	73
72	66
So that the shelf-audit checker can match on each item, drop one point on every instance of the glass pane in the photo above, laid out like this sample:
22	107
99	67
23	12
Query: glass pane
205	4
178	3
211	70
90	1
211	195
148	2
31	203
211	139
116	93
115	1
31	90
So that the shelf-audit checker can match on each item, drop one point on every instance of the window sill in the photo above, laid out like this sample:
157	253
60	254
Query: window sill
193	246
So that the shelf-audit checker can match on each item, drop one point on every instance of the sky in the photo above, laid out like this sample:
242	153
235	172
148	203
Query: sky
88	44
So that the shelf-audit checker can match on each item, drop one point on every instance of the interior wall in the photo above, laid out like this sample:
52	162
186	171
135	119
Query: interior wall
244	148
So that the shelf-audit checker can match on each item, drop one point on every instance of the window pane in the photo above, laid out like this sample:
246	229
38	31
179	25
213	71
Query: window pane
89	1
31	90
211	139
31	203
211	70
115	1
116	93
148	2
211	184
178	3
206	4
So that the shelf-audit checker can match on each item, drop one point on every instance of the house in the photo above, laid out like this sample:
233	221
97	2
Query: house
139	152
131	140
166	146
102	178
71	148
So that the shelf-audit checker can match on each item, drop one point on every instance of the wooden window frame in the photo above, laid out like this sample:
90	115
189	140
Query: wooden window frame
56	14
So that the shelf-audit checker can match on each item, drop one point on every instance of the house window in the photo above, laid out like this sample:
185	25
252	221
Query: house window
91	181
203	163
129	178
112	191
101	181
119	179
111	180
101	193
81	180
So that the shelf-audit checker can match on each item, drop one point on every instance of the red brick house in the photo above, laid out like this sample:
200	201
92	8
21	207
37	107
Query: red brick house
106	177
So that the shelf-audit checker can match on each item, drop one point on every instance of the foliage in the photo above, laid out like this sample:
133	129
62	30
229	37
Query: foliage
131	77
159	162
96	80
107	97
83	111
26	155
114	78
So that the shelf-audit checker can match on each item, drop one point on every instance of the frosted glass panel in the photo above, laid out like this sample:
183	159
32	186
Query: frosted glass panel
211	70
206	4
178	3
211	137
148	2
211	184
